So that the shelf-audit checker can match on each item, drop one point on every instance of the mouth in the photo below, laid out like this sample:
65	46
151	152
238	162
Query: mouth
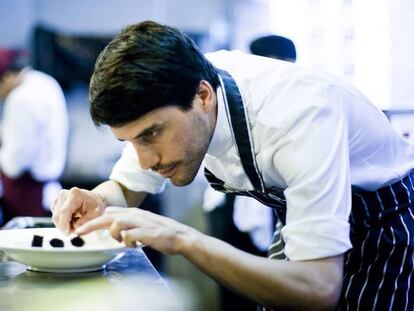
168	171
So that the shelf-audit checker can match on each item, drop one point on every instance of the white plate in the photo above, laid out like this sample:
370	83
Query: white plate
99	250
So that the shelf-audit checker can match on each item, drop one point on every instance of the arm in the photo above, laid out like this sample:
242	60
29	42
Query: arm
307	285
312	284
115	194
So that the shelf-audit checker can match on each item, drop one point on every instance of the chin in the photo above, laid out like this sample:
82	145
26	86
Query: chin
181	181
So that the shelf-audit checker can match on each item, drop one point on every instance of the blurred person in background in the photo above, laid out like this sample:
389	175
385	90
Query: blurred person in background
33	137
274	46
239	220
303	142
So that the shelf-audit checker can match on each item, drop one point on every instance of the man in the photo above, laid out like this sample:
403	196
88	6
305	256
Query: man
304	143
33	137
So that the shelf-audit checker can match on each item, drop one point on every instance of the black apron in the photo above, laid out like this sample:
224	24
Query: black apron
22	196
378	272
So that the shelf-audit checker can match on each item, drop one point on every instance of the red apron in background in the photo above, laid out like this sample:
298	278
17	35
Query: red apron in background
21	197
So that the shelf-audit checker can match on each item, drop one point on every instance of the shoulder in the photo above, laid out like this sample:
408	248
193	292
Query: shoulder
38	86
36	78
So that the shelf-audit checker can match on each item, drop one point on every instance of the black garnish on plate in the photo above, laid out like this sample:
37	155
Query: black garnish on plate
56	243
77	241
37	241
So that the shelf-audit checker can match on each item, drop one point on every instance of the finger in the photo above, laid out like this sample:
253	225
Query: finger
72	203
101	222
53	209
53	206
116	209
75	218
57	207
133	211
112	211
59	198
132	237
57	203
77	222
121	223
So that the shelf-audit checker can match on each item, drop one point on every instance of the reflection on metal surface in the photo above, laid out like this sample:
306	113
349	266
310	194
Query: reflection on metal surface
27	292
128	284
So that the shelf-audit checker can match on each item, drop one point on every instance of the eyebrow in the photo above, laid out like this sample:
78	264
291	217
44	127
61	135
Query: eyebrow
145	131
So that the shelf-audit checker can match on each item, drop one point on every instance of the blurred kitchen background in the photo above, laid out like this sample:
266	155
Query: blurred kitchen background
368	42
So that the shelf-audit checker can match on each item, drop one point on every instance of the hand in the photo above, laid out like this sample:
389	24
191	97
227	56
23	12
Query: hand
133	224
74	207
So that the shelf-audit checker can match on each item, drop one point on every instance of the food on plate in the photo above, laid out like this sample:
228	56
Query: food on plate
77	241
37	241
56	243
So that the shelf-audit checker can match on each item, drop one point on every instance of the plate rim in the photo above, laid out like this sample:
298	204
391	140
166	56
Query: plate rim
120	248
71	250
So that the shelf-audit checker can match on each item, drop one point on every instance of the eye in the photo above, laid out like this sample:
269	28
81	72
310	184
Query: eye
149	136
153	133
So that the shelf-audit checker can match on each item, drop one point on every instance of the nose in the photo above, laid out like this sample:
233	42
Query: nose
148	157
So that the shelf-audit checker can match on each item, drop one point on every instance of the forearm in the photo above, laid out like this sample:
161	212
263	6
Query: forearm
115	194
310	285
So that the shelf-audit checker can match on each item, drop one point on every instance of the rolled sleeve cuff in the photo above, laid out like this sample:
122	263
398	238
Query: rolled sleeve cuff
316	238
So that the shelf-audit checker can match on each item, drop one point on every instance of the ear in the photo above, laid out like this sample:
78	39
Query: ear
206	95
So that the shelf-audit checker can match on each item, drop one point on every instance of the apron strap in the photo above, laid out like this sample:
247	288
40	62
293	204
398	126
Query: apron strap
240	129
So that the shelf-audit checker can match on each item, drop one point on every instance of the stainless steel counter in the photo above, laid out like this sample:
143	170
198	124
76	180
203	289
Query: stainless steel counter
130	283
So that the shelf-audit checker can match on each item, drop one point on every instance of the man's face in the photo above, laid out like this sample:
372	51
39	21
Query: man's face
170	141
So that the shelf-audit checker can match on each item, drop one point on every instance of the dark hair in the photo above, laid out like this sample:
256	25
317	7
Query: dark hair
274	46
145	67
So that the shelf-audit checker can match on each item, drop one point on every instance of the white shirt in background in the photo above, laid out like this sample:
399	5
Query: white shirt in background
34	131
